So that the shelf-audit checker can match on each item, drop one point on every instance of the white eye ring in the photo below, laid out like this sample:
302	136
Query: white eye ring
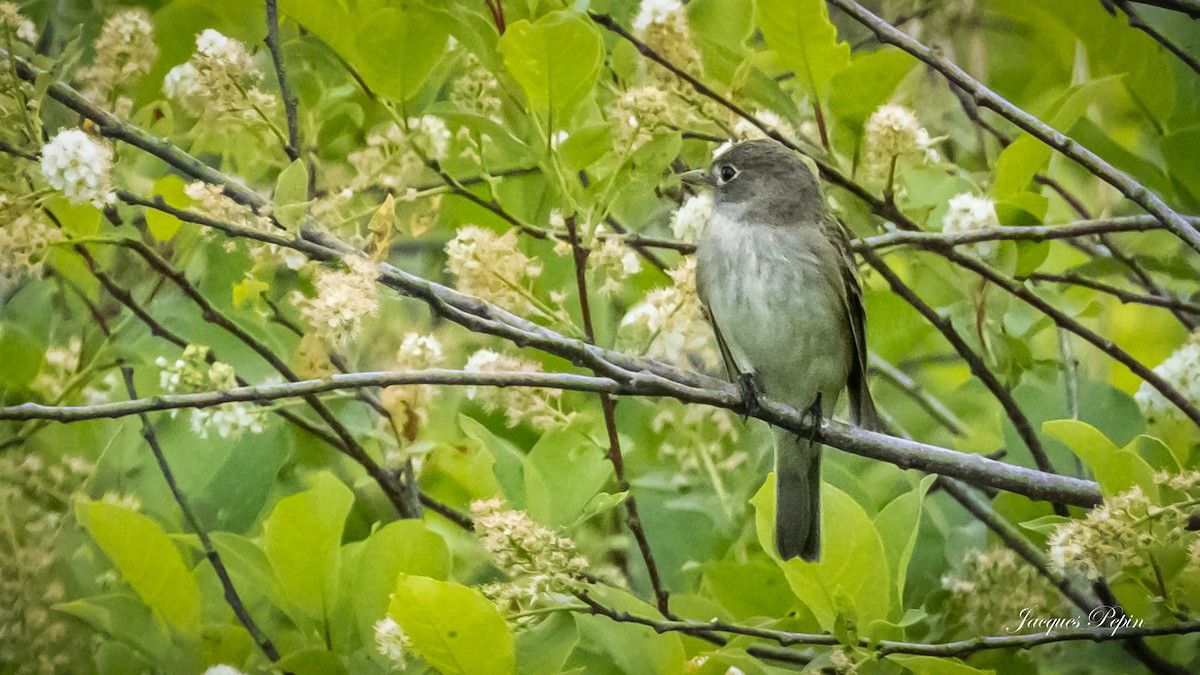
726	173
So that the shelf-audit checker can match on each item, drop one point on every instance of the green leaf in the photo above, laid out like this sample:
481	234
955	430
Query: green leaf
935	665
867	83
1116	469
897	525
852	577
1045	524
405	546
163	226
545	647
398	46
600	503
805	41
625	648
21	353
148	560
302	538
508	462
556	60
81	220
130	622
455	628
291	195
563	471
312	661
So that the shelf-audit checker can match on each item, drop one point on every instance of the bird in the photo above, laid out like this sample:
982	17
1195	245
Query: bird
777	278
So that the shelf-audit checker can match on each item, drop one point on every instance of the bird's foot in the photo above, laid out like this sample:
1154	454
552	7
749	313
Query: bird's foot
812	418
750	406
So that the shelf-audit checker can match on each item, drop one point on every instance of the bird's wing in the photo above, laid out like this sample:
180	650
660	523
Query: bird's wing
862	406
731	369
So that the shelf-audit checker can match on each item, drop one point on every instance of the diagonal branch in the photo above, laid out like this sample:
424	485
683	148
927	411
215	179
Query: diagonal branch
985	97
231	595
285	88
1136	21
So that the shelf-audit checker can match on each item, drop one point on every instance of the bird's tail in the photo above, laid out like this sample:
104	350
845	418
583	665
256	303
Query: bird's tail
797	497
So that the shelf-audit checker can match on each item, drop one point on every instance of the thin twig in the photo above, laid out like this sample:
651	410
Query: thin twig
1121	294
285	90
983	96
1136	21
978	368
231	595
899	379
615	457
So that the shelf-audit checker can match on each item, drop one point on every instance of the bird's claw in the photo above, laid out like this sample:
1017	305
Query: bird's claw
750	406
812	418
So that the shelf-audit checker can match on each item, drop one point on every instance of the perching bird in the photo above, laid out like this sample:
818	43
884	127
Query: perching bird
777	277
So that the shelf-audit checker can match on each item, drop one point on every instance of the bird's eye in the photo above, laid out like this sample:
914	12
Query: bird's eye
727	173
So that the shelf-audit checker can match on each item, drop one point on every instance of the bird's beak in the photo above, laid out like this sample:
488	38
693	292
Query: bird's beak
696	177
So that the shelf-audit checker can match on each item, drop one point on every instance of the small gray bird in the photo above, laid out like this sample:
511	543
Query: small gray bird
777	277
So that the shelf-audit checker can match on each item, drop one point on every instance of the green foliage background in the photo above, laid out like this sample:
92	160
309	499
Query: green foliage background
314	548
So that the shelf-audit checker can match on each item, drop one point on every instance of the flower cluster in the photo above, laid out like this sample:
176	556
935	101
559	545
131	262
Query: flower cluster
11	20
393	157
35	496
409	404
670	323
24	240
477	89
392	642
192	373
746	130
992	588
540	407
967	212
689	221
220	78
537	560
1182	371
1119	534
640	112
213	202
80	166
343	298
613	259
893	131
125	52
662	24
491	267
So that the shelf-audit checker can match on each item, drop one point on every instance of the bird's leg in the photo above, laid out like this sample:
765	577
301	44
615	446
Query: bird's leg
749	395
813	413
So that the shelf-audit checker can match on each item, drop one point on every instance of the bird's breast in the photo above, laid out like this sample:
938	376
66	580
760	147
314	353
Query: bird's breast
776	305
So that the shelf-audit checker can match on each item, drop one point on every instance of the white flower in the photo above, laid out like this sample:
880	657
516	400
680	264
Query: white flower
655	11
392	642
611	256
409	404
747	130
640	111
182	83
968	212
1182	371
894	131
533	404
222	669
24	240
689	221
672	321
343	299
11	19
125	51
545	561
490	266
79	166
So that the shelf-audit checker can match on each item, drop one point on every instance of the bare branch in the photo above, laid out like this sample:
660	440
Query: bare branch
231	595
987	98
1119	293
285	89
1136	21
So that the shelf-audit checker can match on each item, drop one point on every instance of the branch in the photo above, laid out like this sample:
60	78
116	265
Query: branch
285	89
1136	21
987	98
1188	7
899	379
978	368
1078	228
1121	294
231	595
615	457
